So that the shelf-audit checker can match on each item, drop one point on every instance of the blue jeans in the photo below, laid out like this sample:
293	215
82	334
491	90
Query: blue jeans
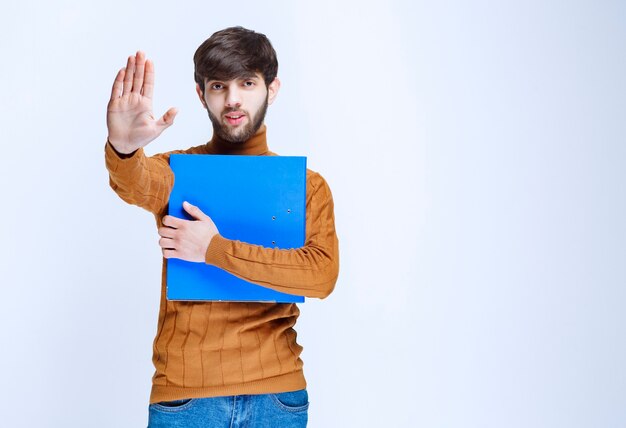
281	410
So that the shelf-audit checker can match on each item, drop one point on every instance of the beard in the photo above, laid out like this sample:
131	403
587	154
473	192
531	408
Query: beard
240	134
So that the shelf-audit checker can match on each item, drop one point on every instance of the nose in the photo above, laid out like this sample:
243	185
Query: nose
233	98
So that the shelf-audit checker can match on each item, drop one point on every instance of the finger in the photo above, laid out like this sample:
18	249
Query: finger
169	254
118	83
172	222
140	61
167	232
167	243
194	211
148	79
130	72
168	118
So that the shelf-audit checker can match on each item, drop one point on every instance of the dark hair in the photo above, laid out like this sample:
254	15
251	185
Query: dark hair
232	53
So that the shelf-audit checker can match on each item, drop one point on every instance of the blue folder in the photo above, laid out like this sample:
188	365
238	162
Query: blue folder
259	200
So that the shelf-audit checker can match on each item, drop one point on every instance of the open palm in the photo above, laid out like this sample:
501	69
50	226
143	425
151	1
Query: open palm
130	121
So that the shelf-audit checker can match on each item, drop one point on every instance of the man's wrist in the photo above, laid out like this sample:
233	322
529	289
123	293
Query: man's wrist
121	154
216	251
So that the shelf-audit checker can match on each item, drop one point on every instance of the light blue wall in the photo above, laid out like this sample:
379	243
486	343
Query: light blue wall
476	155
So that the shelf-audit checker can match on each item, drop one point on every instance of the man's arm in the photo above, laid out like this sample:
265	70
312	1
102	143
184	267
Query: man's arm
309	271
138	180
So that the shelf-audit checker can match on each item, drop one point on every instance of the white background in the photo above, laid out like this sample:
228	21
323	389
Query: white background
475	150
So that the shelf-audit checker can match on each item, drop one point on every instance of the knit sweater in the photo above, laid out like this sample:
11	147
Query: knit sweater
208	349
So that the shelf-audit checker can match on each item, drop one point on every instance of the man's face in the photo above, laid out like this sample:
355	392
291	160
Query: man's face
237	107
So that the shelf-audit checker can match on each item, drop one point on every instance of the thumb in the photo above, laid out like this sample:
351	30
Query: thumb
194	211
168	118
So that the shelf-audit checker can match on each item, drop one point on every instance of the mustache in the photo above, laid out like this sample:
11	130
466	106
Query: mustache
233	110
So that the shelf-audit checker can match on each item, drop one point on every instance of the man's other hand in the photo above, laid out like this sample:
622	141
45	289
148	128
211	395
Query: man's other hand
187	239
130	121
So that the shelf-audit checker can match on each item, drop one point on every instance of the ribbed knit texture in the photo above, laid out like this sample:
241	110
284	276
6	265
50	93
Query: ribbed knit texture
208	349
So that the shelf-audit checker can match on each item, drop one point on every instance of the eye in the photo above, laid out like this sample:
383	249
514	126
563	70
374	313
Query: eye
248	83
216	86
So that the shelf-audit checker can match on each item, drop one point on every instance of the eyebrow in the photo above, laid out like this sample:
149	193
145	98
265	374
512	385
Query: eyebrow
244	77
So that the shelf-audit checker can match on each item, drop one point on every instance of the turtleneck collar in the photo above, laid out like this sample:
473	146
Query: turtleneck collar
256	145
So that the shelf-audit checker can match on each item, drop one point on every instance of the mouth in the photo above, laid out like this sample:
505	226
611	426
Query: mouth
234	118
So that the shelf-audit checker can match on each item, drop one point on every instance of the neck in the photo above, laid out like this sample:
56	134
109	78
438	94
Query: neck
255	145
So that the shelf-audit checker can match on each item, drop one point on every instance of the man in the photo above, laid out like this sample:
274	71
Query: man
221	363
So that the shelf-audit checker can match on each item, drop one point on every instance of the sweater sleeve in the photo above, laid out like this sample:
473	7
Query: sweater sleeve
309	271
140	180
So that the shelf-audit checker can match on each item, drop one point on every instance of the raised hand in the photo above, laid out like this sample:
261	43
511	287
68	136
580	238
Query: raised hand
130	121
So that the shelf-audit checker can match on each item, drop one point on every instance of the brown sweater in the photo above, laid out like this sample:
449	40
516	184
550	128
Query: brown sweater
208	349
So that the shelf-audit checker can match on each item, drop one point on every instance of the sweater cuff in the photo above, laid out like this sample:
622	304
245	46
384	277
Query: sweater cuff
217	250
114	161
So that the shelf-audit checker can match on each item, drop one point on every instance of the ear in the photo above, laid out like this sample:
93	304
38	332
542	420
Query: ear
200	95
272	90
